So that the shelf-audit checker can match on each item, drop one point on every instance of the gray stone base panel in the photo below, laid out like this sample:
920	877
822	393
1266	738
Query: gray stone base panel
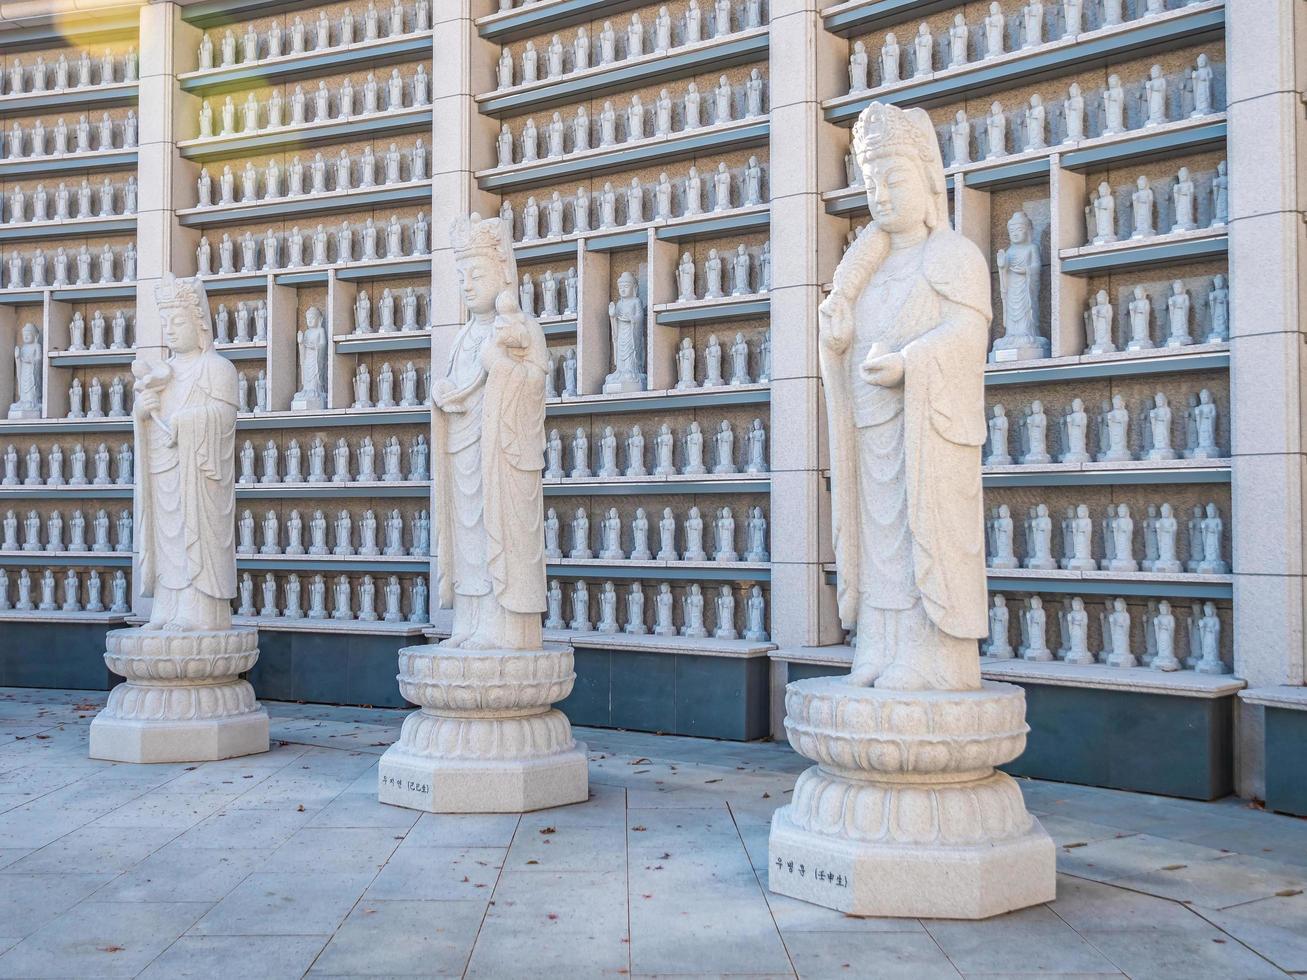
914	881
1286	748
127	740
482	785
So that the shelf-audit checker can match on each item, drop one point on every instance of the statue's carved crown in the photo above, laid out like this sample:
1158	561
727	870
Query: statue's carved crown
882	130
183	294
475	235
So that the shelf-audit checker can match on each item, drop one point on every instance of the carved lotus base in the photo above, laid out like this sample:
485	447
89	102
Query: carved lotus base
904	813
485	739
183	700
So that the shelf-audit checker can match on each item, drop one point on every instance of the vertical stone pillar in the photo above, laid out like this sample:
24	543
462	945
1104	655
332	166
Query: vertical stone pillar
1267	146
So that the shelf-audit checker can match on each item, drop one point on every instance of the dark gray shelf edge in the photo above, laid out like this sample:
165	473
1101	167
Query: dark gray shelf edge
88	559
657	487
88	492
306	205
72	31
412	120
743	310
1108	478
58	229
343	420
1017	174
535	19
70	163
676	148
1172	364
1168	588
620	76
341	491
79	98
239	77
214	13
419	340
709	226
351	565
1143	256
667	403
1146	146
882	13
415	266
617	570
1139	39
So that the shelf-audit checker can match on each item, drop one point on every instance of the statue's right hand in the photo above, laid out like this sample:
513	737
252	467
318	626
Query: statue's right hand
834	316
145	403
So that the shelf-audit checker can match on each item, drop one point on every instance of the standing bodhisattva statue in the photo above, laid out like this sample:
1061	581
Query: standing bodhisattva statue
488	454
903	340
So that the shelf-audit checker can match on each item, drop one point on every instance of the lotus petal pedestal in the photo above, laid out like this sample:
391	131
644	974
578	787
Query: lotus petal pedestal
904	813
183	700
486	739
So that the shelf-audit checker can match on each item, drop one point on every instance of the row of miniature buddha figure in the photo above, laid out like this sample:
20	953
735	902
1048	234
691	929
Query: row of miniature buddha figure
618	207
630	125
1152	432
1161	533
391	388
609	452
557	293
1027	130
100	467
64	268
380	316
278	41
298	178
257	116
81	71
38	141
323	248
19	596
347	464
582	52
1100	213
349	601
76	202
640	620
111	334
102	534
1035	24
721	525
1101	329
1163	648
737	264
365	536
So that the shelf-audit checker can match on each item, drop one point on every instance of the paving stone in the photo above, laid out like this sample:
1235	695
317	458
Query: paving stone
1162	955
404	938
1275	927
345	850
419	872
107	849
1220	883
278	904
1034	939
29	901
265	957
892	955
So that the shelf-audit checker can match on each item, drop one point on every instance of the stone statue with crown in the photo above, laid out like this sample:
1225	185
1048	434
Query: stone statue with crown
183	699
904	813
486	738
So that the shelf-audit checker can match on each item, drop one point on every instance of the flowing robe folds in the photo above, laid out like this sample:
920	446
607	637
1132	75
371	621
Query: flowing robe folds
907	516
187	496
489	502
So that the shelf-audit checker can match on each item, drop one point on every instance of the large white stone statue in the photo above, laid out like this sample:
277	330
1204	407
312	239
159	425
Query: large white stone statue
27	374
183	700
626	324
1019	275
904	813
485	738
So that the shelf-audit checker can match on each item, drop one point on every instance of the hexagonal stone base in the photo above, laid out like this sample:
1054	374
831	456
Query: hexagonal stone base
202	740
919	881
483	785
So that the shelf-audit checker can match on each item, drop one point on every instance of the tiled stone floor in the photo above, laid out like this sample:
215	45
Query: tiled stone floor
285	865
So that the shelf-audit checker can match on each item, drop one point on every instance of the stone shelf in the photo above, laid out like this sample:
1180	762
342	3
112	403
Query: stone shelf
358	127
561	326
71	99
1141	679
19	428
1160	360
361	54
1292	697
1139	253
1189	25
337	491
335	418
235	282
90	358
335	564
390	340
709	224
59	616
1164	586
69	163
111	491
253	350
706	646
711	55
704	141
510	25
660	401
621	486
88	293
401	267
66	559
1032	168
595	568
289	208
746	307
1188	472
280	624
29	231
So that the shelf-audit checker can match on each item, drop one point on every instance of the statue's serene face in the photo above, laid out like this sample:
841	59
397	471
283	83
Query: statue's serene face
29	333
896	193
180	331
480	280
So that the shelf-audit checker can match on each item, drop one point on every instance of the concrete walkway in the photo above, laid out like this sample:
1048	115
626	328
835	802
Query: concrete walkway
284	865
